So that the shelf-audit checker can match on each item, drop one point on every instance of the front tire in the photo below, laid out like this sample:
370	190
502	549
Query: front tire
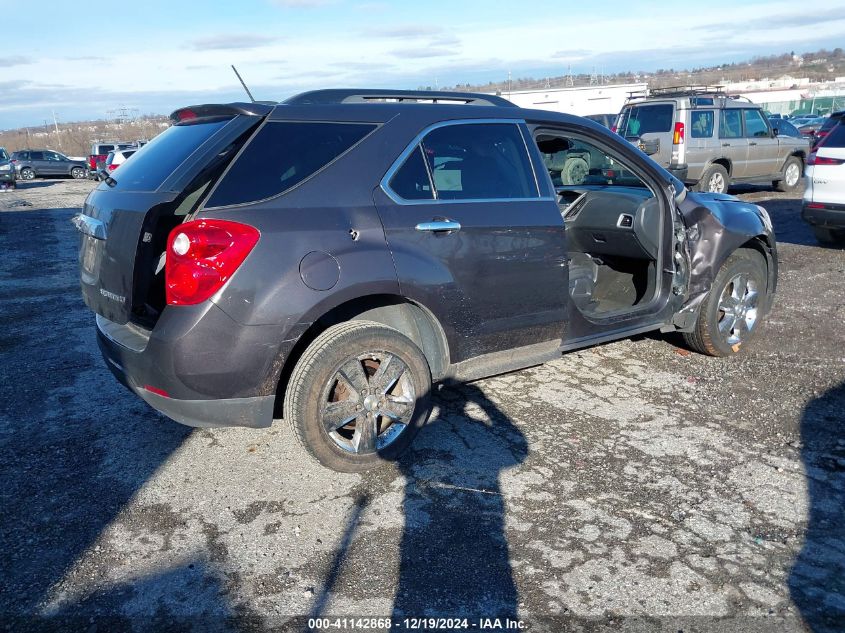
358	396
731	312
77	173
714	180
792	171
27	173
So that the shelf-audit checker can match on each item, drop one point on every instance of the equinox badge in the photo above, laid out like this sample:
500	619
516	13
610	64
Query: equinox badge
112	296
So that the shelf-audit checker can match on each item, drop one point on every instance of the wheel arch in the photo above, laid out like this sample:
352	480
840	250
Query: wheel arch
724	162
764	245
410	318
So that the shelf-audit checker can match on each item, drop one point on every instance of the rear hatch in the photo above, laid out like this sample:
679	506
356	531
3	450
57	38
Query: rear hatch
126	219
650	126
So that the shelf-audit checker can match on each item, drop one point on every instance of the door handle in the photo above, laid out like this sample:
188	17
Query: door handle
439	225
750	144
726	144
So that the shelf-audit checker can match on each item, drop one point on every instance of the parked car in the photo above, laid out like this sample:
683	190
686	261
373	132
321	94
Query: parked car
829	123
99	153
42	163
782	127
327	259
709	140
8	179
824	195
808	130
116	158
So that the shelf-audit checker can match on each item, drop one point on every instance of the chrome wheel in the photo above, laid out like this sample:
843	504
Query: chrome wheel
368	403
27	174
792	174
716	184
738	309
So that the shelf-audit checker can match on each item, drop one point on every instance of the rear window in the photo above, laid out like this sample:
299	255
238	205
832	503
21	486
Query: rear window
642	119
160	157
836	138
105	149
281	156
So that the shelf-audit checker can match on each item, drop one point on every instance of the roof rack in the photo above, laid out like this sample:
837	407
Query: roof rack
335	96
687	91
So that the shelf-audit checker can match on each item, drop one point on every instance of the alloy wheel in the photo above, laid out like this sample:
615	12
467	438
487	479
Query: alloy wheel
738	308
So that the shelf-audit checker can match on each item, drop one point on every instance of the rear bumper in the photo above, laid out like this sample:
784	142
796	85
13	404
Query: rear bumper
198	366
832	215
679	171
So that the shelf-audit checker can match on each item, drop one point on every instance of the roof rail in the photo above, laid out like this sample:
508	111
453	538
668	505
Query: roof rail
340	95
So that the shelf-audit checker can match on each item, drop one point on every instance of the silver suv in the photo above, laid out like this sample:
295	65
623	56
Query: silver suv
709	139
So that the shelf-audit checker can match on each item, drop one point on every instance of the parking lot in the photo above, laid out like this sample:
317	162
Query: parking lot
632	479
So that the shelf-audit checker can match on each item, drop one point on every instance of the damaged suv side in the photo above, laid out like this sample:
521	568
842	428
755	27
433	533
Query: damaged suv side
329	258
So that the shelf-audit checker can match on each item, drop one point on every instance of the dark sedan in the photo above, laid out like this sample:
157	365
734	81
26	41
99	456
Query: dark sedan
45	163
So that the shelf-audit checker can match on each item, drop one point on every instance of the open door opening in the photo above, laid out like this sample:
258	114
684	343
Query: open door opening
613	226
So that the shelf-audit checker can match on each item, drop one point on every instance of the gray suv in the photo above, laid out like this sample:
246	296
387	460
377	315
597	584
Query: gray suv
710	140
329	258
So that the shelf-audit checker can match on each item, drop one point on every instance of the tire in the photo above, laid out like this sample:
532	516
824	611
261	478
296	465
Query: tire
345	413
77	173
714	180
27	173
792	171
825	235
575	171
718	331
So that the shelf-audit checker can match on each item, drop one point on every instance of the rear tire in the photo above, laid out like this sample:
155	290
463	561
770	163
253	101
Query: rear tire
731	312
792	171
27	173
714	180
358	396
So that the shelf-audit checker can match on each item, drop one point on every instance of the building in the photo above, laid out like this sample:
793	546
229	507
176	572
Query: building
580	100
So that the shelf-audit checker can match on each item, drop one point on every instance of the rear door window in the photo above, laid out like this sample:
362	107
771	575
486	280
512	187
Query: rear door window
701	123
642	119
480	161
730	124
281	156
411	180
36	156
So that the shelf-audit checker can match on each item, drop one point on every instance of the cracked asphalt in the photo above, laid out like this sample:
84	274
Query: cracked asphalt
628	486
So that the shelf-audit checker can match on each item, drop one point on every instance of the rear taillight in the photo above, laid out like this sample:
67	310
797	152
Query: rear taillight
202	255
678	135
613	129
814	159
112	167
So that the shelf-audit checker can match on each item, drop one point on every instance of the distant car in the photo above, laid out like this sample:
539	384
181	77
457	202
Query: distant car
829	123
44	163
824	196
7	170
784	128
99	152
117	158
607	120
809	129
806	119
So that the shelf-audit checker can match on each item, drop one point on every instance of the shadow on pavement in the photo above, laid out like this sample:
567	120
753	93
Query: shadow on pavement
74	446
454	558
817	578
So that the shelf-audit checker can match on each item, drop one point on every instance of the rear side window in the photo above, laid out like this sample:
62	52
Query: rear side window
643	119
836	138
160	157
281	156
730	124
701	123
36	156
483	161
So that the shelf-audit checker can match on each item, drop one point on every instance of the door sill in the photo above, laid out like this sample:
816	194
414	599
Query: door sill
624	332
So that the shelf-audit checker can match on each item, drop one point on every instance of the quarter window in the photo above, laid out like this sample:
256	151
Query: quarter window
701	122
480	161
281	156
730	124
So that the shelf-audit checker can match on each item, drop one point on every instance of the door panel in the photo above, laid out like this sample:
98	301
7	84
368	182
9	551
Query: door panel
734	145
763	147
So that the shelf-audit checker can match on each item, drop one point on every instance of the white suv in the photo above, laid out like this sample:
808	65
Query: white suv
824	197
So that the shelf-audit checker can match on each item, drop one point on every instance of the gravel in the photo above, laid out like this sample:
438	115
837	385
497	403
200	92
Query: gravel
632	485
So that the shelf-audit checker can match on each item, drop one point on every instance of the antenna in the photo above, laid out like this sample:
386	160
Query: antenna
251	98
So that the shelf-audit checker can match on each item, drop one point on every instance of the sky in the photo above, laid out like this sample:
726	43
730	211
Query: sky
154	56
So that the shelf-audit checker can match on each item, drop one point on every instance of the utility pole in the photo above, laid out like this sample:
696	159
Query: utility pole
56	125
